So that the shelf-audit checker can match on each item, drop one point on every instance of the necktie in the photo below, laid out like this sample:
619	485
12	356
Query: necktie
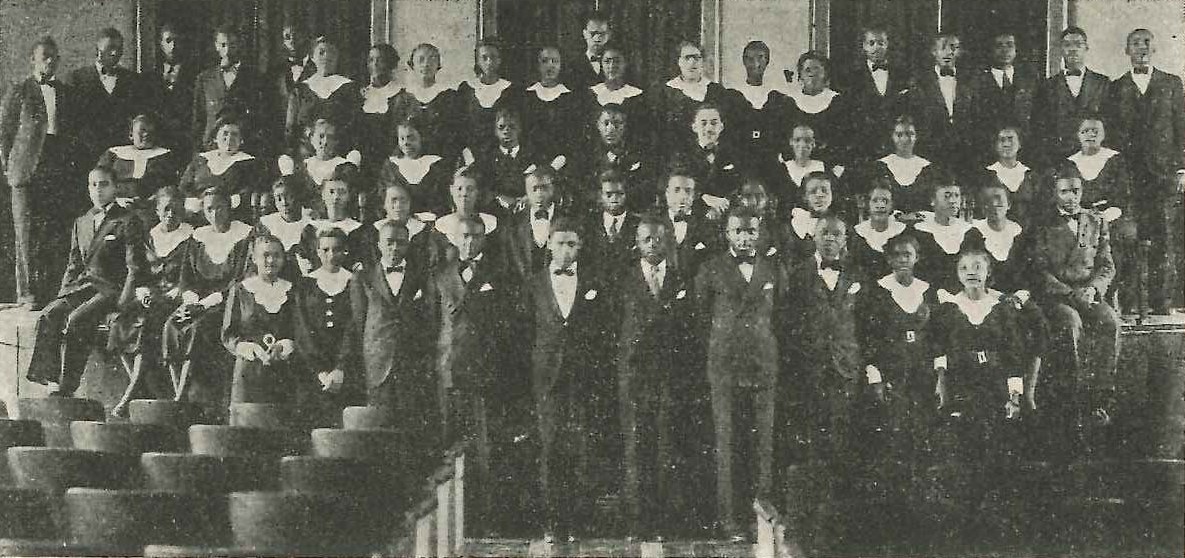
652	281
540	215
394	268
1074	73
614	228
1140	71
46	80
1006	81
946	72
567	271
680	218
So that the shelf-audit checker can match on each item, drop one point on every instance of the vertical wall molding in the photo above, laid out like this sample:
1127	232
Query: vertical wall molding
710	24
820	38
1057	17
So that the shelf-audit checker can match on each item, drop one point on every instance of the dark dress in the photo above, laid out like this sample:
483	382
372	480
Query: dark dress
938	255
828	115
139	173
673	108
911	192
243	176
426	178
554	119
1012	271
376	125
328	341
339	100
262	314
479	104
1029	205
758	121
867	246
290	233
355	250
437	111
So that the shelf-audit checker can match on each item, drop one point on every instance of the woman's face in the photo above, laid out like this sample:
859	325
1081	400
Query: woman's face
377	65
323	140
464	193
813	76
973	271
1007	144
216	210
691	63
489	60
550	64
397	204
410	142
142	135
904	138
613	65
995	202
229	138
1091	134
902	257
802	142
336	195
818	195
425	62
325	57
880	202
286	203
168	210
331	251
947	200
269	259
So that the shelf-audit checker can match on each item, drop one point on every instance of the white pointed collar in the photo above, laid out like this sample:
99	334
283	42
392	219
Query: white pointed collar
271	296
949	237
289	232
1089	166
219	163
1011	178
218	246
910	298
321	170
548	94
426	95
376	100
164	242
131	153
447	225
877	239
606	96
756	95
414	170
998	243
324	86
695	91
414	226
488	93
904	171
803	222
331	283
813	104
797	173
976	311
347	226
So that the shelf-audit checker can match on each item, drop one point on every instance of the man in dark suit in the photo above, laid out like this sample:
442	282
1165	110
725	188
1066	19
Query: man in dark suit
609	233
107	97
293	66
105	254
741	294
583	70
942	102
713	162
391	306
1061	98
230	87
171	85
876	88
529	230
1146	112
37	151
695	237
1004	95
568	311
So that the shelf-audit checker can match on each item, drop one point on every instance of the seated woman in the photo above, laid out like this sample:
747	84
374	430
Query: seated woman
337	197
1028	205
481	96
259	327
872	234
434	103
233	173
135	333
325	94
466	196
397	208
325	161
214	261
288	223
816	104
908	173
941	235
803	162
799	232
141	168
425	176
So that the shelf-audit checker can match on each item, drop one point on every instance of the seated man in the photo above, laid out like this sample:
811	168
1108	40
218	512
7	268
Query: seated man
104	244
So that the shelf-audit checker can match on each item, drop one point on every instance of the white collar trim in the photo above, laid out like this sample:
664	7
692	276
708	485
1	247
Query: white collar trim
813	104
694	91
270	296
375	100
447	225
908	298
414	170
803	222
976	311
321	170
606	95
330	282
797	173
218	246
426	95
1091	165
548	94
219	164
949	237
488	94
904	171
877	239
289	232
414	226
325	86
1011	178
345	225
998	243
164	242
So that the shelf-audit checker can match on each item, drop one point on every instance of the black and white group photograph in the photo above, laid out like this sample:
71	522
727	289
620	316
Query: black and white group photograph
596	278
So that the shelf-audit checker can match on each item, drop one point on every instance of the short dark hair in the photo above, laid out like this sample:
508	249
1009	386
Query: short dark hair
756	45
816	56
110	172
902	239
652	220
387	53
492	42
1073	30
564	224
332	232
228	30
265	239
45	42
610	175
1066	170
815	175
424	46
740	212
109	33
707	105
468	171
596	15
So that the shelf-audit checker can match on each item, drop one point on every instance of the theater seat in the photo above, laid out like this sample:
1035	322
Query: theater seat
127	437
218	474
26	514
164	412
57	469
209	439
384	446
131	519
16	433
365	418
379	481
261	415
306	524
55	415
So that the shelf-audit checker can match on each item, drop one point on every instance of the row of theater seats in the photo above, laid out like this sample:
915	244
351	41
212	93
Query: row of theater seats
165	485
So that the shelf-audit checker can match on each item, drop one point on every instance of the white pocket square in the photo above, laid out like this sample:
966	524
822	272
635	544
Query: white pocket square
636	166
591	294
855	288
681	294
485	287
768	287
729	166
700	246
772	250
419	294
109	237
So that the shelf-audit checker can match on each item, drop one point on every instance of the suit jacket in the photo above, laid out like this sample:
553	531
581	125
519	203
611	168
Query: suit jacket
874	112
701	242
996	106
211	96
578	71
822	322
606	253
943	137
654	330
22	127
473	318
744	320
566	352
719	177
1148	129
395	328
1065	261
106	115
102	259
524	254
174	105
1056	110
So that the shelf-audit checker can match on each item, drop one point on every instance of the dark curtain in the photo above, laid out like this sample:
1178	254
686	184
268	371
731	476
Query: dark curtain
977	21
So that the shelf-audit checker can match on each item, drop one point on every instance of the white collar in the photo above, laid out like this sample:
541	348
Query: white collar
998	243
324	86
976	311
375	100
877	239
803	222
550	212
1132	71
607	218
321	170
289	232
949	237
757	95
659	268
447	225
1066	73
797	173
606	95
1089	166
219	245
695	91
813	104
270	296
130	153
488	94
870	64
1000	72
905	171
347	225
331	283
414	226
1011	178
426	95
548	94
219	163
164	242
908	298
414	170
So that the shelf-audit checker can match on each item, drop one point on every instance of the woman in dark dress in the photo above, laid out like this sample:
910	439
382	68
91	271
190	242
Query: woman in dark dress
288	223
1028	205
326	159
815	103
435	104
909	173
616	91
141	168
480	97
237	175
554	115
872	234
325	94
941	236
425	175
337	197
377	119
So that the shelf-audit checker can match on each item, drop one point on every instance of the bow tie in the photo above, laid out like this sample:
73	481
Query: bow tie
679	218
46	80
540	215
880	66
744	259
1143	71
834	264
394	268
565	271
226	69
946	72
596	58
1073	73
462	265
107	71
1070	217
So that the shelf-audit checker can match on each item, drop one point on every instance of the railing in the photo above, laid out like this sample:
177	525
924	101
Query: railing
436	524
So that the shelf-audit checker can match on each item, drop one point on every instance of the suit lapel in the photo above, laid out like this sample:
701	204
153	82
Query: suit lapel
552	300
379	279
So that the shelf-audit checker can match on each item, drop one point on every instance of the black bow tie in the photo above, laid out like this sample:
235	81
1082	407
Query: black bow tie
679	218
1143	71
540	214
46	80
946	72
462	265
230	68
394	268
596	58
565	271
1070	217
744	259
880	66
834	264
1073	73
107	71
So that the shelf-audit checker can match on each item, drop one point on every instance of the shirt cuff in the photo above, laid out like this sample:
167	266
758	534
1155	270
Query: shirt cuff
873	374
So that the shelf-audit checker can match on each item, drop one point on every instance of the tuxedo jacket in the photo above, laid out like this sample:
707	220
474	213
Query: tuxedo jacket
822	335
23	122
106	115
720	175
245	97
653	330
1056	110
102	258
943	137
578	72
174	105
744	320
609	254
473	318
394	327
526	256
703	240
873	112
1149	129
1065	261
566	351
996	106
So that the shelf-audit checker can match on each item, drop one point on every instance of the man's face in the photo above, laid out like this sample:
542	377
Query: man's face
1007	144
652	242
691	63
565	248
325	57
756	60
902	257
397	204
754	197
540	190
410	142
169	40
1004	50
465	194
1069	194
1140	49
880	202
946	51
101	188
331	251
1091	134
817	194
613	198
802	142
45	60
110	50
905	136
830	238
227	47
323	138
973	271
741	233
680	194
596	34
506	130
229	138
550	64
142	135
489	60
393	243
336	194
947	200
292	39
995	201
875	46
613	65
1074	48
471	238
611	127
707	126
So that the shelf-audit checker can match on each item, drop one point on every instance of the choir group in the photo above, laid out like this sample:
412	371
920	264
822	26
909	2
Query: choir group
651	292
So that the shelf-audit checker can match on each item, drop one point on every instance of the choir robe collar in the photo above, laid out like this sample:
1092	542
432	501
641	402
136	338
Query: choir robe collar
138	157
797	173
548	94
321	170
219	164
288	232
270	296
757	95
813	104
164	242
1089	166
908	299
695	91
976	311
949	237
904	171
414	226
1011	178
347	225
606	96
376	100
488	94
877	239
414	170
325	86
998	243
803	222
428	94
332	283
218	246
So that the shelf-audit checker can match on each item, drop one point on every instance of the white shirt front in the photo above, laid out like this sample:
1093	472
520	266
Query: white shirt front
999	73
1075	82
830	276
108	81
746	269
230	74
654	275
880	78
541	228
394	278
947	84
680	228
1142	80
511	152
564	287
612	223
51	108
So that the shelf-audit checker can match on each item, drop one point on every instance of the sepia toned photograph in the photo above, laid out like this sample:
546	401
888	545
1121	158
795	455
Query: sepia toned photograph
592	278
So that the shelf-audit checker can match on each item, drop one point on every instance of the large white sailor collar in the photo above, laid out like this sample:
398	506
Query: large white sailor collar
548	94
331	283
426	95
321	170
345	225
164	242
325	86
697	91
904	171
414	170
289	232
447	225
219	164
803	222
908	299
414	226
1089	166
797	173
813	104
949	237
376	100
756	95
138	157
976	311
877	239
271	296
1011	178
488	93
606	96
218	245
998	243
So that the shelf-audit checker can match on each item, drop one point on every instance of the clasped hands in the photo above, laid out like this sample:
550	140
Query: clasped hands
270	349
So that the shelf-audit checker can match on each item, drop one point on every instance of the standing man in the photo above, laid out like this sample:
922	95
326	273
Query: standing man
230	87
1147	114
1061	98
107	96
876	88
171	84
284	75
941	102
1004	95
584	70
36	151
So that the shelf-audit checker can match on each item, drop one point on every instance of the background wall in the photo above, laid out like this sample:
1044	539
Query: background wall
1108	22
784	25
74	24
451	25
